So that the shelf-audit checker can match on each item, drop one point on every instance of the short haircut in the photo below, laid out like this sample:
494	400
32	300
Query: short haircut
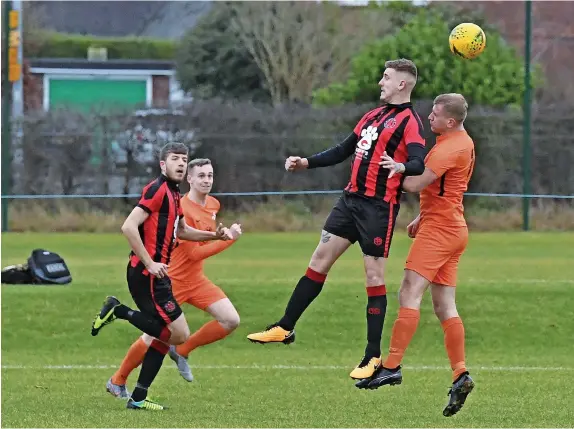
403	65
197	162
454	105
177	148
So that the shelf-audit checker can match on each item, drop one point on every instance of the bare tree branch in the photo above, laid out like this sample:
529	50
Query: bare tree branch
299	46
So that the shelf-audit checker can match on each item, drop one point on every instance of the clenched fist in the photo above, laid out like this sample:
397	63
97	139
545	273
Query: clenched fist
296	163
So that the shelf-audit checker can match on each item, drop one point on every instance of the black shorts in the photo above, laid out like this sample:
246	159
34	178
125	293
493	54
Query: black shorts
369	221
153	296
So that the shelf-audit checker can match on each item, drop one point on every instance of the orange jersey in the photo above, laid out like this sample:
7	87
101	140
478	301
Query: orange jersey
452	160
186	267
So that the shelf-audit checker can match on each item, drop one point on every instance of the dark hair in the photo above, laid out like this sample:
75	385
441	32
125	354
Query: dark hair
198	162
403	65
177	148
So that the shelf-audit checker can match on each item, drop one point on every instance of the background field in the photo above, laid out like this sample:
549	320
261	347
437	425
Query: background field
515	296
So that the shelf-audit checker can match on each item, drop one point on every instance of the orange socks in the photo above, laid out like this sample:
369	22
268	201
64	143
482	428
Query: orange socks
207	334
403	332
454	343
133	359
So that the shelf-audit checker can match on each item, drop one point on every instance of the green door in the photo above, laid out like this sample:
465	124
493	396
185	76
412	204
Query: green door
87	93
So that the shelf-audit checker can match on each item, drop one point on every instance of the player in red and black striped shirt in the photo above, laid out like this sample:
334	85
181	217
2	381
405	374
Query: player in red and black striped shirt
151	229
367	210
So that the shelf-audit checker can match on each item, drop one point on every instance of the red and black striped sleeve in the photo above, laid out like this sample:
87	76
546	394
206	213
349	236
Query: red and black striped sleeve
415	142
152	196
343	150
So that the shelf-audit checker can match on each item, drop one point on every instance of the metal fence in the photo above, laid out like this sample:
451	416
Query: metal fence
111	155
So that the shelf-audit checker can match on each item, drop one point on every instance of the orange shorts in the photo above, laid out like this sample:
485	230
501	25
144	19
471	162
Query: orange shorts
435	253
201	295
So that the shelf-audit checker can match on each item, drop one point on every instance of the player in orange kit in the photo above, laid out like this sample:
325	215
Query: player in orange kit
440	237
189	283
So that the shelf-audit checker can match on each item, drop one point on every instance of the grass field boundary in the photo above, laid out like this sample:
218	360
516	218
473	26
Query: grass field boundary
296	367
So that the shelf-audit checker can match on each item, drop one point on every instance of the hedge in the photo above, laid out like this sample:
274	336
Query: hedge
57	45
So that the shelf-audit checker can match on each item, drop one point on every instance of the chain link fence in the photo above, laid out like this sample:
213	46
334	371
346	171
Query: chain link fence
65	152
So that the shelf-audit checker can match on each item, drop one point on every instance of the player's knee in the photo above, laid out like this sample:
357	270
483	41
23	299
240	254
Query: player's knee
179	336
374	267
230	321
444	310
321	261
375	276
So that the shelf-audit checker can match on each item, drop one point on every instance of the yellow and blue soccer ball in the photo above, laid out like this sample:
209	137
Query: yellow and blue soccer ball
467	40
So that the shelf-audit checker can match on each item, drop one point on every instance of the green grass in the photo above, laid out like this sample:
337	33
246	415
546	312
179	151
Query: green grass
515	295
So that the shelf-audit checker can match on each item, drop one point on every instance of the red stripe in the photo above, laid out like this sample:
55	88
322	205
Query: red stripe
374	167
315	276
163	348
150	233
376	290
162	313
389	230
354	173
168	239
392	191
373	171
165	334
150	225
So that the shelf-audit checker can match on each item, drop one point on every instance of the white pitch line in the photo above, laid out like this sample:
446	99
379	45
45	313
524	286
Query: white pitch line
517	281
300	367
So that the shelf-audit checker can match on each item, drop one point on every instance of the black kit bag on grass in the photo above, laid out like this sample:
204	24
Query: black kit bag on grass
43	267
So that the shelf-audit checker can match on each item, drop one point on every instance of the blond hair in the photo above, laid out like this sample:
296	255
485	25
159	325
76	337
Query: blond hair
454	105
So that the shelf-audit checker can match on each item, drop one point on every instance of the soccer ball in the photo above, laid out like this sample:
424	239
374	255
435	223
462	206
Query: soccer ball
467	40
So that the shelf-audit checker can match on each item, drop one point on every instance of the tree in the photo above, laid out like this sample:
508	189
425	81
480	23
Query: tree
273	51
211	63
495	78
298	46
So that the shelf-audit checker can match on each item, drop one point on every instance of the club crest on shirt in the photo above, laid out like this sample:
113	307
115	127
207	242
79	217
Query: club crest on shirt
214	215
390	123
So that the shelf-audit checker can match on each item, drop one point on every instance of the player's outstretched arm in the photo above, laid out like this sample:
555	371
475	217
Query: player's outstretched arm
197	252
131	232
331	156
418	183
186	232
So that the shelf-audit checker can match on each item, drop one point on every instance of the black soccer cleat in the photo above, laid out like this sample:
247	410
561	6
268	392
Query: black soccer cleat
458	392
381	377
106	315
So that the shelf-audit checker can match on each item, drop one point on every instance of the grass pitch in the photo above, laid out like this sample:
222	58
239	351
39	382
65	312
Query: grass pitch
515	296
